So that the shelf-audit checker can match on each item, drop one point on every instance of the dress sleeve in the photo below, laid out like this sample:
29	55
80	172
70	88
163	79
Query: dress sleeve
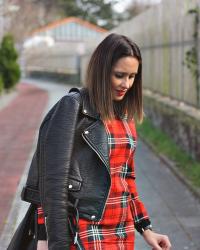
140	214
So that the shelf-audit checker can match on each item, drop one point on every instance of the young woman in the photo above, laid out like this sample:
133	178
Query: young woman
87	185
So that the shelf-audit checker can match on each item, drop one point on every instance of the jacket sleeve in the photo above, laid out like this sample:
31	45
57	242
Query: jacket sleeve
140	214
56	157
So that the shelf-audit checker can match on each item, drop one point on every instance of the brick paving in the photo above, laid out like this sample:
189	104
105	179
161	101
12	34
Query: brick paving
19	121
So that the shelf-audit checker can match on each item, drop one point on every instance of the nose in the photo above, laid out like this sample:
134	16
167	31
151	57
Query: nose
126	83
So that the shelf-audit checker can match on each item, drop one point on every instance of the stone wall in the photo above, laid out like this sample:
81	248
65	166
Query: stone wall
181	122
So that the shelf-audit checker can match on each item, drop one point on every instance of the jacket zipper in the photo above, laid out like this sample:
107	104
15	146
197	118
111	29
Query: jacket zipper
42	173
45	223
106	168
42	161
42	192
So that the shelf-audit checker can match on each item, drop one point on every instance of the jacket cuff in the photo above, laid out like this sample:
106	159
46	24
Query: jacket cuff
142	224
41	232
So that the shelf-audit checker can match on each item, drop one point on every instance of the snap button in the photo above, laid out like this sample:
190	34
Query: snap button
93	217
85	111
86	132
70	186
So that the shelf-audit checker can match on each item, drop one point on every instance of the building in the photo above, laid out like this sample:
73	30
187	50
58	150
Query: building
70	29
57	48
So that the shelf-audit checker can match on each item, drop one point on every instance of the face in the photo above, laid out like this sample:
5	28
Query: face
122	76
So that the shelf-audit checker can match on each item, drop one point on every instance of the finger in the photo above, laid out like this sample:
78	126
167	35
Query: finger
157	247
165	243
168	247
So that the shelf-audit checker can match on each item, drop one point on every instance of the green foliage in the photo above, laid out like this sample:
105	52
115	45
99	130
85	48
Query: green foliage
191	61
9	67
163	144
195	12
191	56
1	84
90	10
98	12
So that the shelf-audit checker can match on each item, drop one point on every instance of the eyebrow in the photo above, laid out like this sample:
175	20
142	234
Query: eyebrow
122	72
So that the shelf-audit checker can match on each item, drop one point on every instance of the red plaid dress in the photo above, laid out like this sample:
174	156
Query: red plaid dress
123	209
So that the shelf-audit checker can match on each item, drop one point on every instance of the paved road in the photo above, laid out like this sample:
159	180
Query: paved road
18	122
172	208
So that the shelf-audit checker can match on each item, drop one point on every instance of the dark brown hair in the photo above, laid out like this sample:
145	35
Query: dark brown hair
98	79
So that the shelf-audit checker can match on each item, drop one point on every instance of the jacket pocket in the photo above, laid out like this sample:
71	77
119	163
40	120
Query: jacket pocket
74	184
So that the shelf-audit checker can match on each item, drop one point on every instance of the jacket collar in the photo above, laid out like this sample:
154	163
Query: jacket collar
87	109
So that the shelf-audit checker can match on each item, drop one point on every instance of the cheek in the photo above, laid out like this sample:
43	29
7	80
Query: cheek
131	82
115	81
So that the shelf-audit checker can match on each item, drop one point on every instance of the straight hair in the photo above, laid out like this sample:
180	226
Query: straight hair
98	79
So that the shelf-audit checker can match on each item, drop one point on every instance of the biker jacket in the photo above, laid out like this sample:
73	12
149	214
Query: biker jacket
69	172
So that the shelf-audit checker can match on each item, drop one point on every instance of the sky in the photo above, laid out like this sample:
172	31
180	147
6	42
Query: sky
122	4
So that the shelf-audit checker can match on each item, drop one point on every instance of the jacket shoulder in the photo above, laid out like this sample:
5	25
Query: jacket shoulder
73	94
77	93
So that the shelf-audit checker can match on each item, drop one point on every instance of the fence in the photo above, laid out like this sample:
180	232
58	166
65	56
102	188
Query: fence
166	33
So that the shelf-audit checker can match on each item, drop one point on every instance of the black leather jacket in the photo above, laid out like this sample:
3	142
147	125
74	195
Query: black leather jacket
69	172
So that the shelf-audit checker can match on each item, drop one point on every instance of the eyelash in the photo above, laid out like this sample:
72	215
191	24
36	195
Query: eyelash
121	76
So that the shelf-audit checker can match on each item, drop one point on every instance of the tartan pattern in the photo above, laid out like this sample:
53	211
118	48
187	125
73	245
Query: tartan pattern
40	216
123	210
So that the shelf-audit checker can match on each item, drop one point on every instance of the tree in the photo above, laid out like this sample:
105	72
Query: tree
30	15
136	7
33	14
9	67
99	12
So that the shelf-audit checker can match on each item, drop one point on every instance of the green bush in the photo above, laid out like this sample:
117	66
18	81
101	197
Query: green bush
9	67
1	84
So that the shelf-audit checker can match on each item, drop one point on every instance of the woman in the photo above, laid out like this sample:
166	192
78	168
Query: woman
87	186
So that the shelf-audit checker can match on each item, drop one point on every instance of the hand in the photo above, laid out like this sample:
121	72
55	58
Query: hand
157	241
42	245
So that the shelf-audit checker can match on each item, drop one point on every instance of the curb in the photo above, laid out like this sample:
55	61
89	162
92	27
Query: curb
172	166
18	207
14	217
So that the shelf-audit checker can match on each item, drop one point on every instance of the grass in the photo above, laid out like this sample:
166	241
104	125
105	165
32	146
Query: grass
163	144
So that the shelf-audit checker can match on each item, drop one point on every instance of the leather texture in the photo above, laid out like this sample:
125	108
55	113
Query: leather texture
70	166
25	237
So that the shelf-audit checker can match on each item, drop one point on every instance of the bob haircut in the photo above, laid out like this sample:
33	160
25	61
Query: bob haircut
98	79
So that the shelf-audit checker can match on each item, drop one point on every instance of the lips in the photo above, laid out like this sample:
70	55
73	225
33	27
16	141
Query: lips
120	93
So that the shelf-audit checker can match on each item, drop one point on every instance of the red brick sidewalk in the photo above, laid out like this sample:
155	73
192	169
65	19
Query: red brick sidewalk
19	122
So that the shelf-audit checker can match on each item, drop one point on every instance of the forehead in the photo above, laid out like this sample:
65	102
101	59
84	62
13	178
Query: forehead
127	63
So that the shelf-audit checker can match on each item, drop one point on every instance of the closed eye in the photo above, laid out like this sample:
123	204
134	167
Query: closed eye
118	75
132	76
121	75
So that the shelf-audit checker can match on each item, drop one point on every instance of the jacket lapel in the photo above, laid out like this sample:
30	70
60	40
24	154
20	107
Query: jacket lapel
96	137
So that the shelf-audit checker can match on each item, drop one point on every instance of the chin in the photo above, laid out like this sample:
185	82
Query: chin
118	98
